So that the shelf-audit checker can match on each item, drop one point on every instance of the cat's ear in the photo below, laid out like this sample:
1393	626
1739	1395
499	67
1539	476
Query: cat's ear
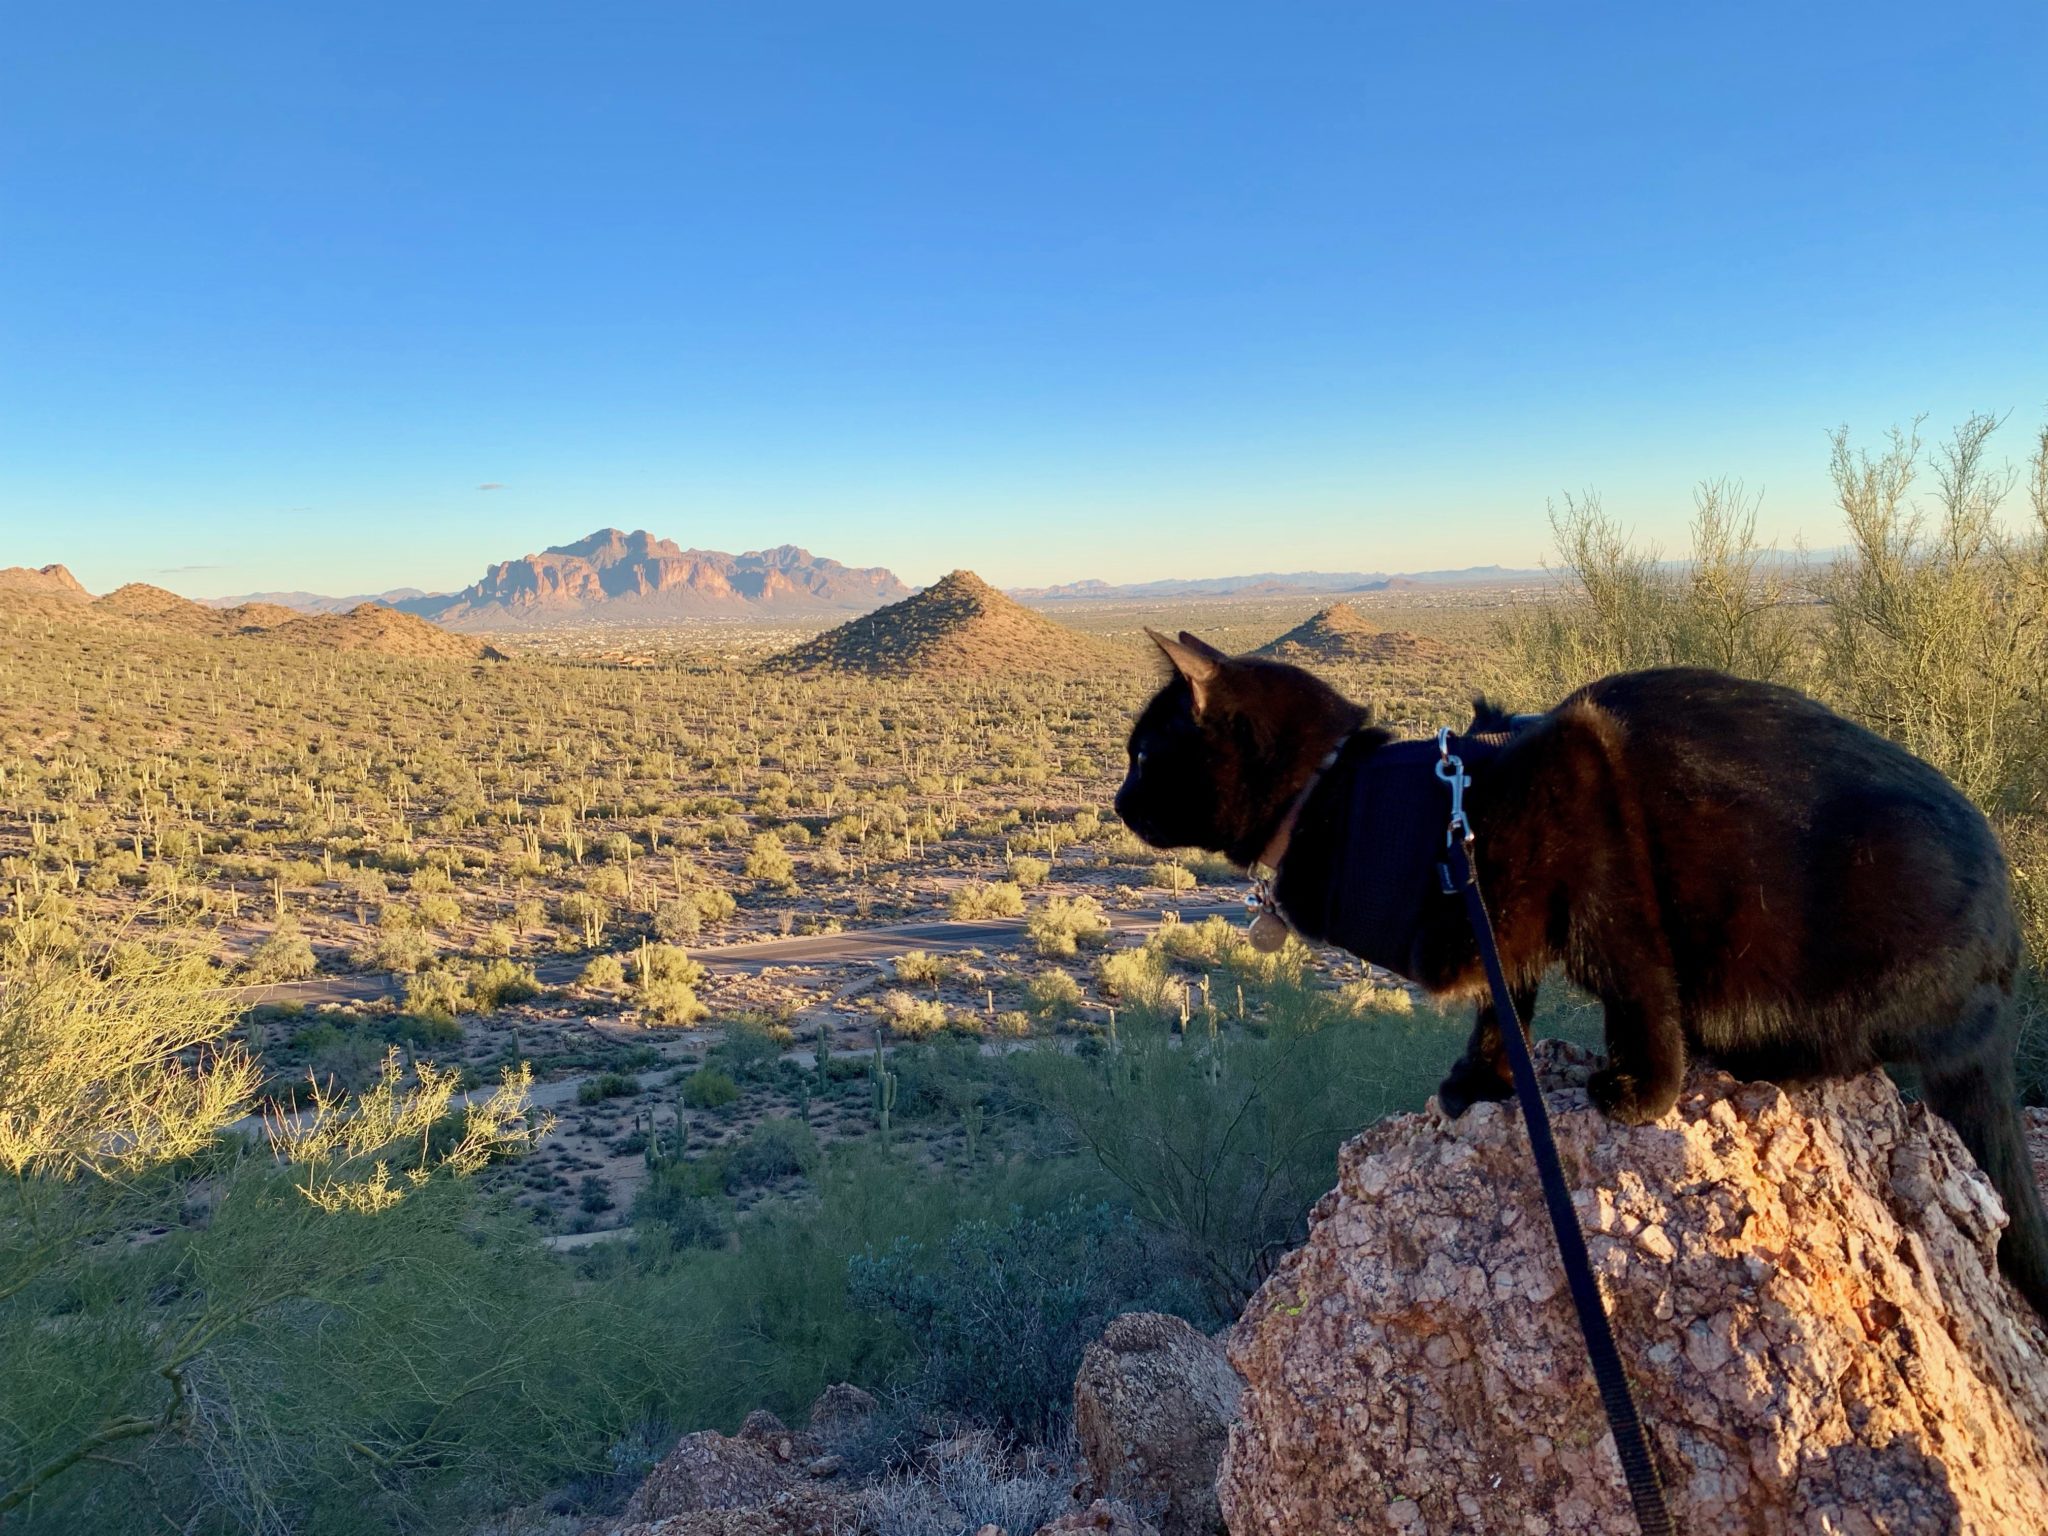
1196	660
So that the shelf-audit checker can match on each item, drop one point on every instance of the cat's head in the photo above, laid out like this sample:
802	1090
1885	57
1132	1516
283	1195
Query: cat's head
1223	749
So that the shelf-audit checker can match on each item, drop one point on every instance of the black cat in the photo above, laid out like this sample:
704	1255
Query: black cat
1732	869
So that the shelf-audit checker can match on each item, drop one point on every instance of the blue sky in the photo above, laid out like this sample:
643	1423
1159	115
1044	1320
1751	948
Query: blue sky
1051	290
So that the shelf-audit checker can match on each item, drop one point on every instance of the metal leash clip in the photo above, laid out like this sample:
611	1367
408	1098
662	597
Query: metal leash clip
1451	769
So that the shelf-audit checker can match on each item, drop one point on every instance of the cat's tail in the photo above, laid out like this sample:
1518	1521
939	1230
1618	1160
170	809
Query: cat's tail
1982	1103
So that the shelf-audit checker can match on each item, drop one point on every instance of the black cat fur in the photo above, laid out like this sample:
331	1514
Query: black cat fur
1732	869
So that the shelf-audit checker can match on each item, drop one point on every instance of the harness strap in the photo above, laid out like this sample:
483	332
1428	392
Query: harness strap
1645	1491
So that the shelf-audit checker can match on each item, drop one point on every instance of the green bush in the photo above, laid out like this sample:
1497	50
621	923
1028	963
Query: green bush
604	973
773	1149
1223	1143
1054	994
1000	1310
913	1018
1172	875
607	1085
984	899
501	982
284	956
708	1088
1028	872
1064	925
917	966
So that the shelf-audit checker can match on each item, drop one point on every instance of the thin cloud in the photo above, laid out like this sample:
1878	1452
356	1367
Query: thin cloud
492	485
188	570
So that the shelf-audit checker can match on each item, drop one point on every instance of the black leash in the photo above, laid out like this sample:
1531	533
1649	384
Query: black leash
1645	1491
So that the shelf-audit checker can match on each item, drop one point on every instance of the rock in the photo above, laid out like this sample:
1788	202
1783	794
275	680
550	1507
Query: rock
840	1409
1102	1518
765	1430
1802	1282
709	1471
1152	1408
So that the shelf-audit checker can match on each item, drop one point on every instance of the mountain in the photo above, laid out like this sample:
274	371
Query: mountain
54	579
372	627
635	578
1341	633
959	626
313	602
1273	584
52	593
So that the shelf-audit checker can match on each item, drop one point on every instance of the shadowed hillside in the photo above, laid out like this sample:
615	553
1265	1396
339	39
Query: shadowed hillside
959	625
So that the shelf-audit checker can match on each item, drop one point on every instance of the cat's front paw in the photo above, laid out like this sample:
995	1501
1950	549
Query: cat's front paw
1469	1084
1627	1098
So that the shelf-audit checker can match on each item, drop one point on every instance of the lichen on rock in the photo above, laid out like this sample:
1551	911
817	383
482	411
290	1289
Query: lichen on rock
1803	1283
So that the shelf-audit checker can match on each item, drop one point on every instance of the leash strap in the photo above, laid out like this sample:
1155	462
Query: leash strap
1645	1490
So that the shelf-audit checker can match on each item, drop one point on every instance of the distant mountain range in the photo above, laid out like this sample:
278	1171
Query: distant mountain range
634	578
637	579
313	602
1275	584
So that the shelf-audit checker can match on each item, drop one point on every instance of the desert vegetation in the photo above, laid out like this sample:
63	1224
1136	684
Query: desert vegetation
426	1085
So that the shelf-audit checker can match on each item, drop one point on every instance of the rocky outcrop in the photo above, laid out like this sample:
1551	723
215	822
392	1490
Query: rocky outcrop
636	578
708	1470
1152	1408
1802	1281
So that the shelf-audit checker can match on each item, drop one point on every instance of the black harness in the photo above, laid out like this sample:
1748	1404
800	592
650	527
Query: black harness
1381	837
1365	861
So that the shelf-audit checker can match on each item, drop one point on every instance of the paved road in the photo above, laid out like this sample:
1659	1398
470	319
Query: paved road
873	944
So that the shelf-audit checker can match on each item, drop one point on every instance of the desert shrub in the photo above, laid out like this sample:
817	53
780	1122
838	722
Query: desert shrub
1137	978
714	906
603	973
709	1088
675	922
354	1292
675	1208
983	899
918	966
436	994
396	949
985	1480
774	1149
501	982
1028	872
1172	875
1001	1309
1054	994
913	1018
666	980
585	913
439	911
607	1085
751	1047
1223	1143
1623	607
1064	925
769	863
1366	996
285	955
1937	631
1012	1024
